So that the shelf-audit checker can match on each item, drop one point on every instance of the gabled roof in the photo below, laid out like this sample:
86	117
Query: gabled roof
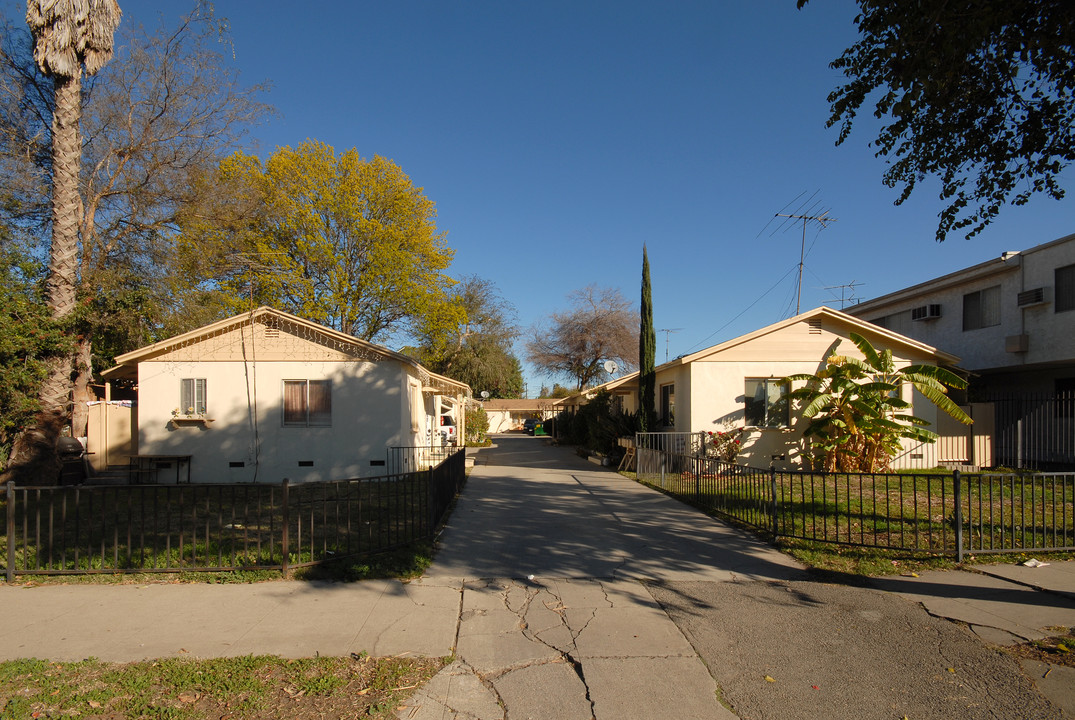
521	405
126	364
853	323
822	314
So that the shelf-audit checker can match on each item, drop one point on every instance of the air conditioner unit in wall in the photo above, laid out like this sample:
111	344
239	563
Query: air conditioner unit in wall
926	312
1037	296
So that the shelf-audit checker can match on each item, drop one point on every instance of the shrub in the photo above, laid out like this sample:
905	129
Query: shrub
477	421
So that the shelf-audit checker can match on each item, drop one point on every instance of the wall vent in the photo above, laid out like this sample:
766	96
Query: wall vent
272	333
306	463
815	326
926	312
1032	297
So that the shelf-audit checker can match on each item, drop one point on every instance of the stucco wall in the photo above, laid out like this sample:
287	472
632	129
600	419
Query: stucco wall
370	412
715	400
1049	335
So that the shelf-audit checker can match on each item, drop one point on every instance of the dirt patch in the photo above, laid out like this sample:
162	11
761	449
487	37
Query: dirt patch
1056	650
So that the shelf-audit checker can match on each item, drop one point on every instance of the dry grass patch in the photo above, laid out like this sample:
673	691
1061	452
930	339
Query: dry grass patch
251	687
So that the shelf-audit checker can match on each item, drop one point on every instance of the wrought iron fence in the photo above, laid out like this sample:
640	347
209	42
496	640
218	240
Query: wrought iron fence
1035	431
411	459
203	527
944	513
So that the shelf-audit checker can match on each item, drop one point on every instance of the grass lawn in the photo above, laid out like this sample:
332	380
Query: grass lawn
192	527
885	524
252	687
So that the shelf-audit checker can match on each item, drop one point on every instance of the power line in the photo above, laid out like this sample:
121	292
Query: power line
744	310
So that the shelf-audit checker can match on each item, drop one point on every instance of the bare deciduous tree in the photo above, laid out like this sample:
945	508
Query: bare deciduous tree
601	325
165	109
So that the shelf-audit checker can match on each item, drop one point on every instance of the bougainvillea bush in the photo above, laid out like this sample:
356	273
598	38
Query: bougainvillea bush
724	445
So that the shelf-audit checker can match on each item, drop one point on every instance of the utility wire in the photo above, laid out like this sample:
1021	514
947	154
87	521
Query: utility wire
743	311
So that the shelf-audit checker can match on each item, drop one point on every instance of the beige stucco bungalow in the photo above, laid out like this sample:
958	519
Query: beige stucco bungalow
508	415
738	384
266	395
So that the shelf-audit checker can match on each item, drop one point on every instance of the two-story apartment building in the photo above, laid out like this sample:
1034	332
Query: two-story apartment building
1011	320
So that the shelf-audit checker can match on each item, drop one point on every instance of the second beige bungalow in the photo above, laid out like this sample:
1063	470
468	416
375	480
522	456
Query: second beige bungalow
739	384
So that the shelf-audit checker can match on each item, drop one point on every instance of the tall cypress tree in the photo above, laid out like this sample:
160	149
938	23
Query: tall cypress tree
647	350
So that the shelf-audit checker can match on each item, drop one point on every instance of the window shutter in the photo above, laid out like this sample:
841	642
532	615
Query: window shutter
200	396
186	395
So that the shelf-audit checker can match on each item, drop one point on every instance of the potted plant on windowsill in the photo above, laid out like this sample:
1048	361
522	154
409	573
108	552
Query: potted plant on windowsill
180	419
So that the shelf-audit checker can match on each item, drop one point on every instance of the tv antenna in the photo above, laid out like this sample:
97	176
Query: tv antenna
667	332
850	296
821	219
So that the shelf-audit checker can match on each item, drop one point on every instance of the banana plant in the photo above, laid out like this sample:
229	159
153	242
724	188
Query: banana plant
857	418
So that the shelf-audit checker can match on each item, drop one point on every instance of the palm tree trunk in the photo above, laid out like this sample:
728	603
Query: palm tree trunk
66	205
33	456
63	260
81	393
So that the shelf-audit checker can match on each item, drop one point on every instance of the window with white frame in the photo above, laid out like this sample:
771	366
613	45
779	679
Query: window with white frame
192	396
766	403
307	403
981	308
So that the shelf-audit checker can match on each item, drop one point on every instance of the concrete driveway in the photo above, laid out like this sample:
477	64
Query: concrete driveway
587	595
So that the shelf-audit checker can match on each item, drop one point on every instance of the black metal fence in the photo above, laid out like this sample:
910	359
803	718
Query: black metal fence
940	513
411	459
1034	431
203	527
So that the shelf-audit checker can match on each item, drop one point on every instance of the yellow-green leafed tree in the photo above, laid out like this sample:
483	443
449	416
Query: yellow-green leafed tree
338	239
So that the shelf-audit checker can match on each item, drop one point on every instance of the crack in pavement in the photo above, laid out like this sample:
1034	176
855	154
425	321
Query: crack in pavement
534	605
571	649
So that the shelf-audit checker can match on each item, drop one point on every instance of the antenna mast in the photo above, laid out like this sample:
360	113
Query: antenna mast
823	219
667	332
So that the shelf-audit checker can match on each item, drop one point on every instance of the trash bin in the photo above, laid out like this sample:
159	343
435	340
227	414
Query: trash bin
72	458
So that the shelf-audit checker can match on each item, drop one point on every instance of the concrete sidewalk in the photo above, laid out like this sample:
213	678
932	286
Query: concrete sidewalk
122	623
567	591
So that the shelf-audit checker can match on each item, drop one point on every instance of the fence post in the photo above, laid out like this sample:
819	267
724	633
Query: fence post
772	491
11	532
957	483
284	545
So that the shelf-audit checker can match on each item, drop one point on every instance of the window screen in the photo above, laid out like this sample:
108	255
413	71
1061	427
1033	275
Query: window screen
307	403
192	396
766	403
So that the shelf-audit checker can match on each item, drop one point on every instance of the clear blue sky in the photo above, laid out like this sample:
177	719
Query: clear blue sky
558	137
